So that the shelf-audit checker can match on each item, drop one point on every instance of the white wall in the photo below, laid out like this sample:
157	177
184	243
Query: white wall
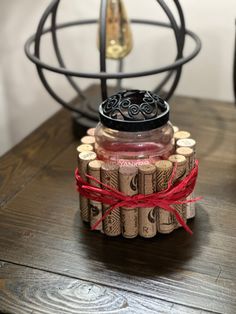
23	102
210	75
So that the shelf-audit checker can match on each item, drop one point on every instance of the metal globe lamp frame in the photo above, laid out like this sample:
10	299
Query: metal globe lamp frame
86	114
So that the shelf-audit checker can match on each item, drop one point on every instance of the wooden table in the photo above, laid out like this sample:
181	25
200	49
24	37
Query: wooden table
52	263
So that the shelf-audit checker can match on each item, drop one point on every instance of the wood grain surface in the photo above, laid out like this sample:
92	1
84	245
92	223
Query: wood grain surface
25	160
47	249
25	290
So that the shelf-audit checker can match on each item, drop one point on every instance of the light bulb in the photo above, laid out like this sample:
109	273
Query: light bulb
118	33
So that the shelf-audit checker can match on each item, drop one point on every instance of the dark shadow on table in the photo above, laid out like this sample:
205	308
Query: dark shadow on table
146	257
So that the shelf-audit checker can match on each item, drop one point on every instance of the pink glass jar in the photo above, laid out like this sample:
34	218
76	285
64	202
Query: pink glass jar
134	128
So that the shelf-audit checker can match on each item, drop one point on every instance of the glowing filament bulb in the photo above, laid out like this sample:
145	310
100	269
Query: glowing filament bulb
118	33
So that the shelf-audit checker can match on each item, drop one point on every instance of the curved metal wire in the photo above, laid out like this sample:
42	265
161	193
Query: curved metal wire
58	53
39	31
182	30
100	75
179	36
102	46
182	23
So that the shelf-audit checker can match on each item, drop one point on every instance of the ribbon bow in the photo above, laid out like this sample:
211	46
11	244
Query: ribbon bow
172	195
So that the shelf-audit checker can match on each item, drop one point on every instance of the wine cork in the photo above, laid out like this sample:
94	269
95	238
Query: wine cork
83	159
191	208
186	142
91	131
110	176
165	219
94	170
189	155
128	182
88	140
175	128
84	148
181	166
147	216
181	163
181	135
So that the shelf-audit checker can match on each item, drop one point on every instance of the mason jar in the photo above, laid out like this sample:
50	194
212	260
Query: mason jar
134	128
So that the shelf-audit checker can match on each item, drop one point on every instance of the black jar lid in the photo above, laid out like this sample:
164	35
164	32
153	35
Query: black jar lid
134	111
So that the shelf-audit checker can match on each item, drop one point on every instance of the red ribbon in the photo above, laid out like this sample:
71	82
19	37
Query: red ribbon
174	194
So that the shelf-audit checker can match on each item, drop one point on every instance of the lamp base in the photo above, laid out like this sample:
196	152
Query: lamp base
80	122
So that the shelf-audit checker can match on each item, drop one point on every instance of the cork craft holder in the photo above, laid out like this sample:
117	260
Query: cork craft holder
131	180
136	172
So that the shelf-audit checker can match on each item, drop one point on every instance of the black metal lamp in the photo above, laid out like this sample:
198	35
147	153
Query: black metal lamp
85	113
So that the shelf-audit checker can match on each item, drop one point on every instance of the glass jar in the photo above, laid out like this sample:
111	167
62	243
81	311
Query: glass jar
134	129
